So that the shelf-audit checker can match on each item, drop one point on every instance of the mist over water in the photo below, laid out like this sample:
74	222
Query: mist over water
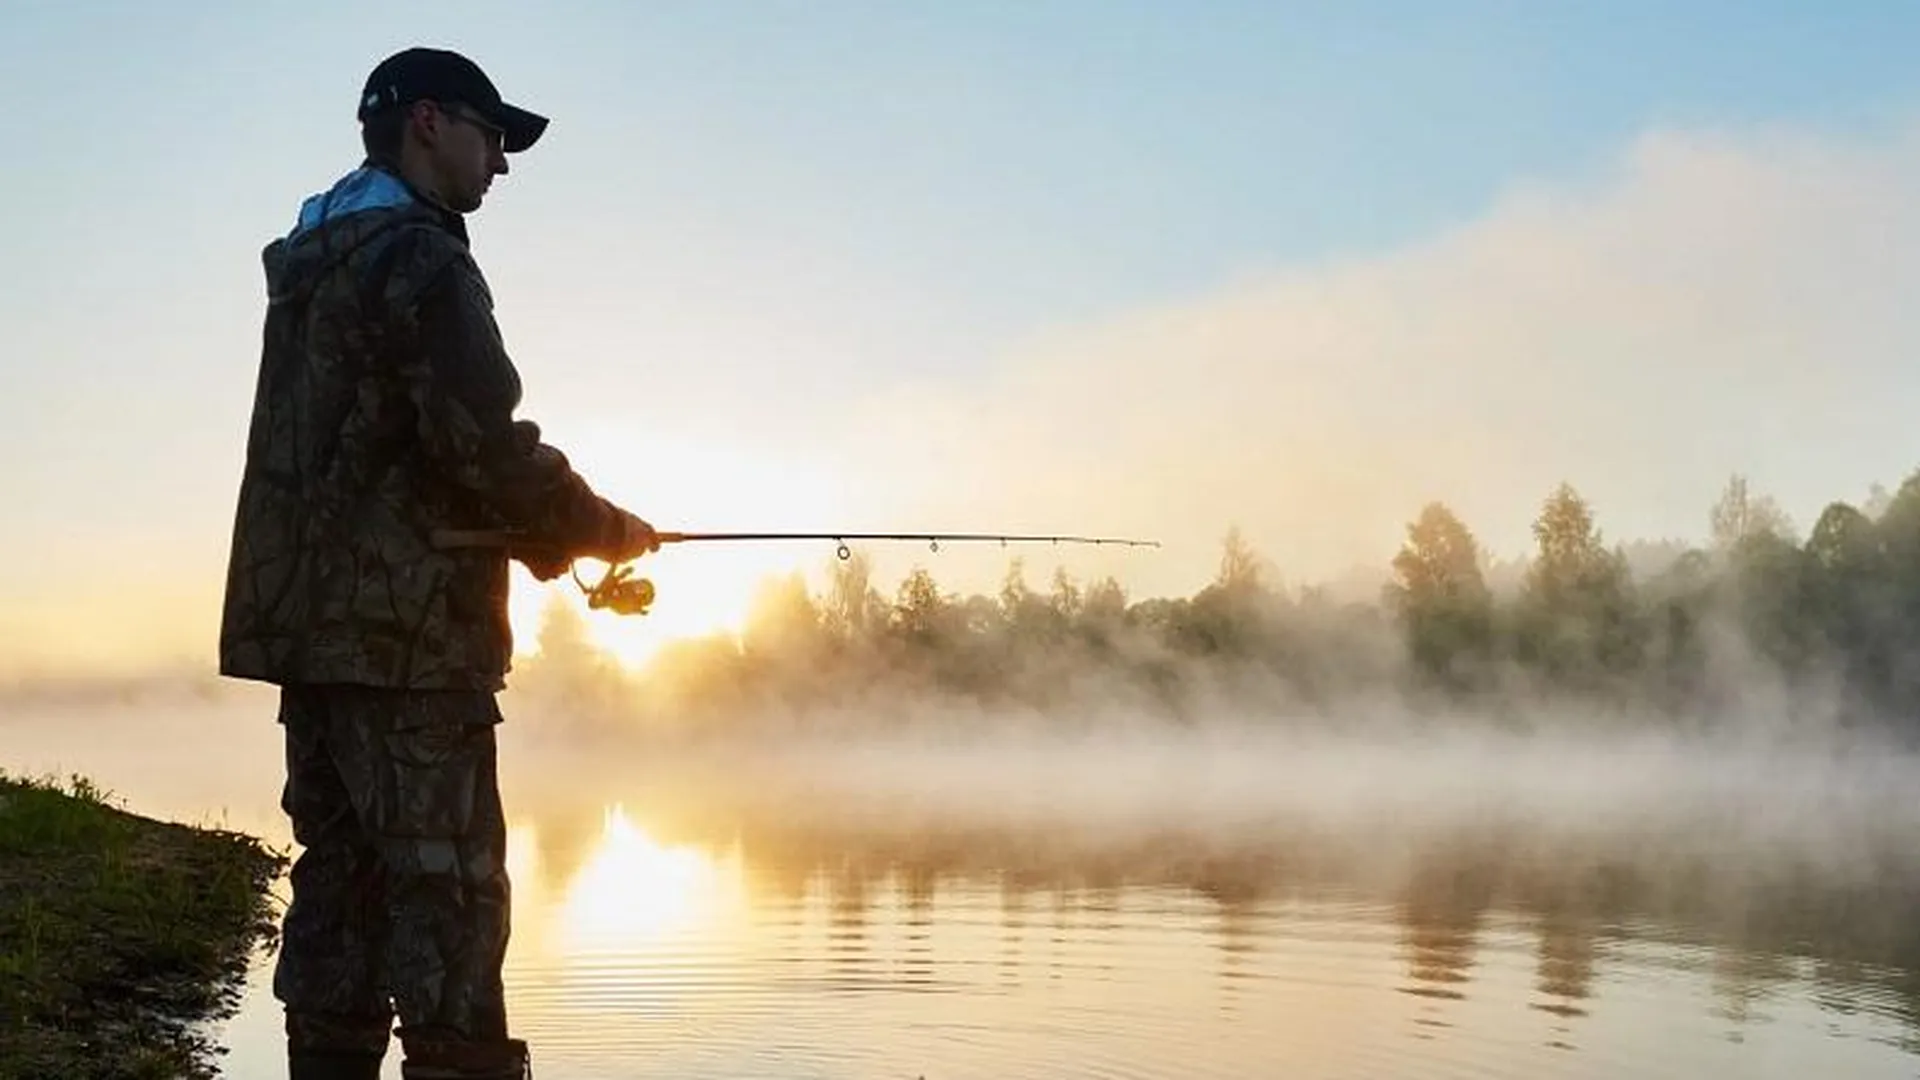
1660	899
1030	868
1365	792
1699	821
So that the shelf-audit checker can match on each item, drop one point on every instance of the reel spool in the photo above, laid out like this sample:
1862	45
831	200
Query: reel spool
618	591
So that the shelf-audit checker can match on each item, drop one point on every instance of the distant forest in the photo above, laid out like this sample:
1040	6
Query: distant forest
1829	622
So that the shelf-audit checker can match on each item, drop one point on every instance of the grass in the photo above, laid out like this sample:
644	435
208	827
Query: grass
119	935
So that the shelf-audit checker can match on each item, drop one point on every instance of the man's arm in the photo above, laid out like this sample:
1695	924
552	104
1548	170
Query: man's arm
464	389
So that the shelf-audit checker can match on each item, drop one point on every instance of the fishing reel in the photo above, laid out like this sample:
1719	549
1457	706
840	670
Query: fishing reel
618	591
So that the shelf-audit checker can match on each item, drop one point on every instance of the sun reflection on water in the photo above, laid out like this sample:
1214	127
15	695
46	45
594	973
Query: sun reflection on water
633	891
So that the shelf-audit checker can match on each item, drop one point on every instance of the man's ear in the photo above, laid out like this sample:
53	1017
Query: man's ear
424	117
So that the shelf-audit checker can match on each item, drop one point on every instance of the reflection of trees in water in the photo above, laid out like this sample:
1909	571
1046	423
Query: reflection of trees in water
1564	976
1741	979
1101	902
847	888
565	840
919	878
1236	941
917	883
1571	908
1865	947
787	875
1013	926
1904	987
1855	945
1838	984
1440	916
1745	929
1239	892
1063	900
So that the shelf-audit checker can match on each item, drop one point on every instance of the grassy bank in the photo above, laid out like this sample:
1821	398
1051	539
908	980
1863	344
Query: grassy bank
118	934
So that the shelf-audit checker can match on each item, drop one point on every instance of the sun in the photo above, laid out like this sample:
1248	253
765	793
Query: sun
698	594
702	589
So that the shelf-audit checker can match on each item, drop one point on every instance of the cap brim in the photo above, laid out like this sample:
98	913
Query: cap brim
522	128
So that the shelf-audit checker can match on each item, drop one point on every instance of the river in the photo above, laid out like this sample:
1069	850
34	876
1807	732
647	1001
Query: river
1212	904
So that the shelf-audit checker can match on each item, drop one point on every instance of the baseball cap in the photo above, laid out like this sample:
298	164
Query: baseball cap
440	75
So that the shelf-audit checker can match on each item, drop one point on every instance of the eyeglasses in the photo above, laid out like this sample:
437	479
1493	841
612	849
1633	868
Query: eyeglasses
461	115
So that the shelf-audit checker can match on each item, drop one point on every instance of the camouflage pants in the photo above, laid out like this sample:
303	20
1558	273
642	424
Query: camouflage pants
400	898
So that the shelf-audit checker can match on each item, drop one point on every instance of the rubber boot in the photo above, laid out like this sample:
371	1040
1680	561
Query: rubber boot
508	1060
333	1065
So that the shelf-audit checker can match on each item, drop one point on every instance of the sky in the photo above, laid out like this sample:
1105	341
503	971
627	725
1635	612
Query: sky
1151	270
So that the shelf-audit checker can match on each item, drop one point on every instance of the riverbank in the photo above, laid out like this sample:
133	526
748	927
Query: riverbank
120	935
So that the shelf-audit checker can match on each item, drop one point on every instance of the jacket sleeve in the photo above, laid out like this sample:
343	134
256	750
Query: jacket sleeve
464	389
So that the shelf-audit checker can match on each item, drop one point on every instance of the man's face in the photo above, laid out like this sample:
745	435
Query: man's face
465	155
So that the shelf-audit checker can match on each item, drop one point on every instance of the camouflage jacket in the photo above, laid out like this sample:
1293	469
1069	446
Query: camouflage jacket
383	409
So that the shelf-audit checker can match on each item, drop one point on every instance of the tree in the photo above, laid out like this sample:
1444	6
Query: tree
1105	603
1440	595
1676	602
918	608
1768	578
1439	562
569	661
1571	558
1898	524
1740	515
1231	616
1842	541
1845	595
1027	616
1878	499
980	617
853	609
1898	539
782	620
1239	572
1577	621
1066	598
1014	593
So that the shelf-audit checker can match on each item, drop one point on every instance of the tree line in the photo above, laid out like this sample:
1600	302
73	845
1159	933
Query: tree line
1645	628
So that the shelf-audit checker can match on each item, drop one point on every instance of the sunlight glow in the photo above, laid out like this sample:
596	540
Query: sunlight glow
683	485
635	891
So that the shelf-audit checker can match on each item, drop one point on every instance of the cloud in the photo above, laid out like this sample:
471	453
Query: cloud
1714	303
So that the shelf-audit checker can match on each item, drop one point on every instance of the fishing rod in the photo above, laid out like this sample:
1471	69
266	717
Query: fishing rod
619	591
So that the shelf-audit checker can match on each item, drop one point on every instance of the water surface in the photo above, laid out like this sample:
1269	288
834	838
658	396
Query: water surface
901	910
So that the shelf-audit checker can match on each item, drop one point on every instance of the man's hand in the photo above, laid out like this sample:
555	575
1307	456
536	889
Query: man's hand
634	538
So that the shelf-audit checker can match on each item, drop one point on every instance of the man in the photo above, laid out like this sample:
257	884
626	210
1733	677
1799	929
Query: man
383	414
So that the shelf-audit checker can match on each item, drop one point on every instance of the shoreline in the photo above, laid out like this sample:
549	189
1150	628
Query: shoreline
122	937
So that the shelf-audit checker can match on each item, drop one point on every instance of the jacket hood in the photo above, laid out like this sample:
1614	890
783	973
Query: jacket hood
334	223
365	188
